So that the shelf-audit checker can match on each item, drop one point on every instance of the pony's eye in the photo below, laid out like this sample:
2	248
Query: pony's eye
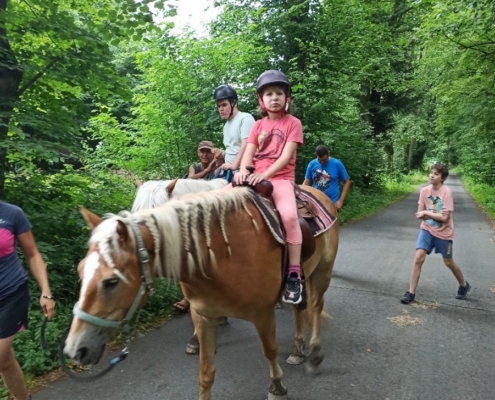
110	283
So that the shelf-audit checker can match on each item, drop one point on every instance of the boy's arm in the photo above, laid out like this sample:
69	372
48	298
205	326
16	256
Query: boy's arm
441	217
244	131
238	158
345	190
423	214
308	181
419	212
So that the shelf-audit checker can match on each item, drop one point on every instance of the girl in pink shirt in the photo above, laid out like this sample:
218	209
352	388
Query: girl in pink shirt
271	149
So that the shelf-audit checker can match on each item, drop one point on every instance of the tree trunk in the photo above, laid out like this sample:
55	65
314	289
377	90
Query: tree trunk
10	79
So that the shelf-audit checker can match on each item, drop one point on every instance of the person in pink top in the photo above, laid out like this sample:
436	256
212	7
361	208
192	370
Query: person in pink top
435	208
271	149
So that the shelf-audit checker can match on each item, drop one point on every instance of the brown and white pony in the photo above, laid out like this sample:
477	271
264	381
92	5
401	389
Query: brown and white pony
216	243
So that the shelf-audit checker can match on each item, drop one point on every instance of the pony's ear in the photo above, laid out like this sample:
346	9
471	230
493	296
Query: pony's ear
138	183
171	186
122	231
91	219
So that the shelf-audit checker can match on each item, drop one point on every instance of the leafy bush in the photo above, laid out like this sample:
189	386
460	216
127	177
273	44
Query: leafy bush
362	202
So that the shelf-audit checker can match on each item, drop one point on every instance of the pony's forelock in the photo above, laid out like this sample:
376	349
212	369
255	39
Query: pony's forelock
104	236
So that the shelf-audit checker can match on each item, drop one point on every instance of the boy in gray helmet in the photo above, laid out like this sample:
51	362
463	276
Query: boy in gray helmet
236	129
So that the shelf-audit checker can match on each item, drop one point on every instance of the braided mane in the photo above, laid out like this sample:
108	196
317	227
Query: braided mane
176	229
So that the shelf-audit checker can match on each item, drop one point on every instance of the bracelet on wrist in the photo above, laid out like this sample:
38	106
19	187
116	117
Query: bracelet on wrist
48	297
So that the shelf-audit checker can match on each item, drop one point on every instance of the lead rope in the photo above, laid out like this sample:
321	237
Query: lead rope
62	360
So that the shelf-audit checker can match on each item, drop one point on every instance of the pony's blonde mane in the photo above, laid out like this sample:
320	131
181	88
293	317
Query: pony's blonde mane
152	194
175	228
193	213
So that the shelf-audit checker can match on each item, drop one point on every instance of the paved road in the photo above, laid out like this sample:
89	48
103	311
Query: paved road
446	354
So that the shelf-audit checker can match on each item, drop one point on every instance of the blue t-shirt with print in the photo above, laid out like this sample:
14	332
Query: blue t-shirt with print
327	177
13	222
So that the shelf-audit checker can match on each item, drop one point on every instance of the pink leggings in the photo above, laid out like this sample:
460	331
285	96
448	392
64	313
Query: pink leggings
285	202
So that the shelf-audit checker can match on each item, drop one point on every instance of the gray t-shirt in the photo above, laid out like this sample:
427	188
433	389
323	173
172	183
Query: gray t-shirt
13	222
234	131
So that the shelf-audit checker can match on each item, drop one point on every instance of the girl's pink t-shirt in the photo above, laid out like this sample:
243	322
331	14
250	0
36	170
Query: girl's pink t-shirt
270	137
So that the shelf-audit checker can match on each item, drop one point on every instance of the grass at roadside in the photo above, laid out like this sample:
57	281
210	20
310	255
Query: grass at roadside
360	203
483	193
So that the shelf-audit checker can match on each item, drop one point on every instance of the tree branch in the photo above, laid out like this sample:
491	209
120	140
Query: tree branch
37	76
471	46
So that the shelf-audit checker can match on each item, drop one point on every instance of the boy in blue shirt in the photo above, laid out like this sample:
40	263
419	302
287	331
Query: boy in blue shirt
325	174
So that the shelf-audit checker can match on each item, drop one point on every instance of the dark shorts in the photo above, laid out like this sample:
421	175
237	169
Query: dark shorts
428	242
14	312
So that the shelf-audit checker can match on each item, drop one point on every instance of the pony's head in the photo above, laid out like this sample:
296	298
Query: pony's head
115	279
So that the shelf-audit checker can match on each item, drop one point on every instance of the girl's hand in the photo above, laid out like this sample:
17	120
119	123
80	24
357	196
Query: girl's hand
241	176
256	178
48	307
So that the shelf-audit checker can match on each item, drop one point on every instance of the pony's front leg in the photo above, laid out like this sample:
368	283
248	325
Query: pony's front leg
206	330
265	325
297	356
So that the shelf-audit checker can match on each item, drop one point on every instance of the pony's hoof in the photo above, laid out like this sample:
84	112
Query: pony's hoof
296	359
311	369
192	347
276	397
192	350
277	391
313	364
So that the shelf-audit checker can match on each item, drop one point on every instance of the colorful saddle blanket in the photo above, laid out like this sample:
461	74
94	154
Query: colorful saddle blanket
318	223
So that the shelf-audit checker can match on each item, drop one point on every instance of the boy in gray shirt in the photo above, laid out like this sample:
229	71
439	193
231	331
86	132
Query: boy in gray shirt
236	129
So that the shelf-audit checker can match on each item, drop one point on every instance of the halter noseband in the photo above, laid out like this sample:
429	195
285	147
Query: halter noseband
146	286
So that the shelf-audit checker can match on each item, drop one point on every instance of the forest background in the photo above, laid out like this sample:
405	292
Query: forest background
94	94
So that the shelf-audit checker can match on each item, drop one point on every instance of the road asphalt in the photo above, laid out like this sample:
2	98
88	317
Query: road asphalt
376	348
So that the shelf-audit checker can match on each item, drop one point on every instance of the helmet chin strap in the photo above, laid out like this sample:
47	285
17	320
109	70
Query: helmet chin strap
232	105
282	111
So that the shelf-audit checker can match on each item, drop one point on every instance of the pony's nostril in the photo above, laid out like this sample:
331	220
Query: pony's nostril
81	353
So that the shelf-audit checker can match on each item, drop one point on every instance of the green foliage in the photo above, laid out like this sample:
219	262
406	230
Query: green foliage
482	192
61	52
458	64
361	203
166	293
173	107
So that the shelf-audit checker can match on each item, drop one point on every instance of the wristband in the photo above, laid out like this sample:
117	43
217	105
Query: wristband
48	297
